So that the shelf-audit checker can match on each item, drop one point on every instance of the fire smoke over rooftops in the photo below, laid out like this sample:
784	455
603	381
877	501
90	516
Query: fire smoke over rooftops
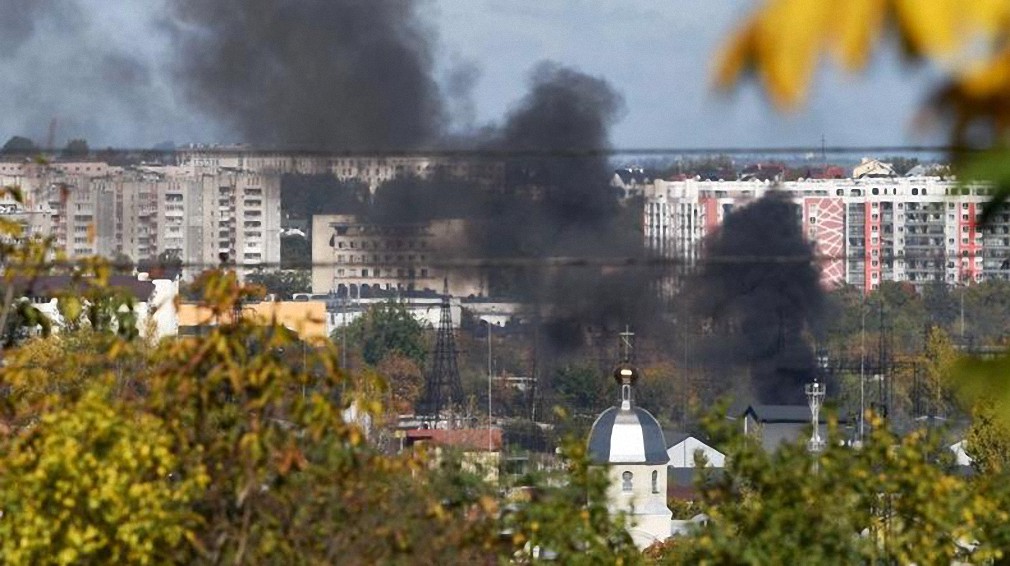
357	75
311	74
763	311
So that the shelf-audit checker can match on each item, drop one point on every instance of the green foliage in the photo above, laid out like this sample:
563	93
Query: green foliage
987	441
167	265
76	148
296	253
283	283
582	388
387	328
902	165
888	501
19	144
217	450
302	196
571	521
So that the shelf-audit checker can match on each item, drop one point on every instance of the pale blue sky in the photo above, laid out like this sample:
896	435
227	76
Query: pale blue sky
657	53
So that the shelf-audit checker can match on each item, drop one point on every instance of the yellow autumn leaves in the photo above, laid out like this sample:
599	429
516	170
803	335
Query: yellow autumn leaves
93	483
784	41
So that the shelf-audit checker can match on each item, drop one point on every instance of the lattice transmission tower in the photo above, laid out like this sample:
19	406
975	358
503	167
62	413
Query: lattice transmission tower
443	390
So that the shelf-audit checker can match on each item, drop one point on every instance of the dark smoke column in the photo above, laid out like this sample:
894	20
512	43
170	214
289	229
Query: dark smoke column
559	204
310	74
761	290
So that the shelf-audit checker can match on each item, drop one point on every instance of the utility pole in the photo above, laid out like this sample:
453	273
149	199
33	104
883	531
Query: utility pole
862	368
489	373
962	316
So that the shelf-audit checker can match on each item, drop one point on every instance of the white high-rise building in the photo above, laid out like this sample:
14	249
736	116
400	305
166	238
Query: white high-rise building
865	231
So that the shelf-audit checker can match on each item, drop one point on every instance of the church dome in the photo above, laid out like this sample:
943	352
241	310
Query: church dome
627	434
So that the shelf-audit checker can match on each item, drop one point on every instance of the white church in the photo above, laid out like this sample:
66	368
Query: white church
629	442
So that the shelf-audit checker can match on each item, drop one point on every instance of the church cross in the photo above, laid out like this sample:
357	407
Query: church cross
626	344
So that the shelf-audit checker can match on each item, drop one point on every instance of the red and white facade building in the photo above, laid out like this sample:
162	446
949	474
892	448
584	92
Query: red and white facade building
865	231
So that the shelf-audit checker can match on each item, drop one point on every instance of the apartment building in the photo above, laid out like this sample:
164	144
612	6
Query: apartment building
354	257
865	231
372	170
198	213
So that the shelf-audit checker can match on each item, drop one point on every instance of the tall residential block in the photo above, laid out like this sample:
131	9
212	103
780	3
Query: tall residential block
865	231
197	213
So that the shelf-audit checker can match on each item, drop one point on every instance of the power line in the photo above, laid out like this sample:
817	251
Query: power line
528	261
512	152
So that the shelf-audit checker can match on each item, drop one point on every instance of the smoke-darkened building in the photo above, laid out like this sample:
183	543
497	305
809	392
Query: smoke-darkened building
354	256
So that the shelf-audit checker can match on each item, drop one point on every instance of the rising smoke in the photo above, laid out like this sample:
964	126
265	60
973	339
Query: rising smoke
358	75
555	204
311	74
60	66
18	21
564	207
760	290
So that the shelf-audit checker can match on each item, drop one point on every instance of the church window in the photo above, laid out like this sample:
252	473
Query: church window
655	481
626	481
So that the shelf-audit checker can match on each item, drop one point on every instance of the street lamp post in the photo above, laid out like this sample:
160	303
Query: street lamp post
489	373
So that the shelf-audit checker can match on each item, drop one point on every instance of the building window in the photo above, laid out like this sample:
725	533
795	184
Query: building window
655	481
626	482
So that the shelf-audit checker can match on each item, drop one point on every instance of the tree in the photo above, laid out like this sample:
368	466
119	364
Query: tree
404	378
19	145
217	449
387	328
582	388
901	165
987	441
283	283
939	358
96	482
890	502
296	252
76	148
167	265
303	196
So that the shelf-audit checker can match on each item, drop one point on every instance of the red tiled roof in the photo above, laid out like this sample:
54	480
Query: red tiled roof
473	439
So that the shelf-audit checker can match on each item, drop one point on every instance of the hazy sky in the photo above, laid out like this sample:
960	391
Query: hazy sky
657	53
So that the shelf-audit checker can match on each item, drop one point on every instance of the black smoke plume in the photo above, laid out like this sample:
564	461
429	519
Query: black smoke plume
311	74
760	290
552	209
18	21
358	75
59	67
